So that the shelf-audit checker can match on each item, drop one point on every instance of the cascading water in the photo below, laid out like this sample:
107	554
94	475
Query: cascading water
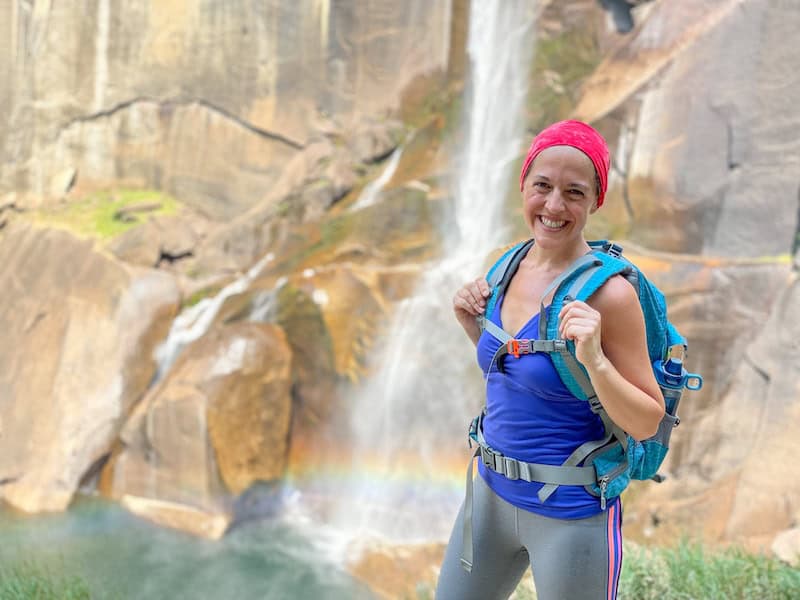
411	417
373	190
195	320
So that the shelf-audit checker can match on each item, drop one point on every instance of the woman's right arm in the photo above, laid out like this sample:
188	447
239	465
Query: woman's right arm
468	303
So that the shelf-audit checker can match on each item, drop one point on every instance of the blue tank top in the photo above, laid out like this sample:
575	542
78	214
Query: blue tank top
533	417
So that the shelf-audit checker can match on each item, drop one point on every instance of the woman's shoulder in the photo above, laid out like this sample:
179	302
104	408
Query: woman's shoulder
616	297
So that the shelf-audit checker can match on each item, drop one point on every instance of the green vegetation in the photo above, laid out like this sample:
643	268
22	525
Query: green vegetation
26	581
106	214
691	571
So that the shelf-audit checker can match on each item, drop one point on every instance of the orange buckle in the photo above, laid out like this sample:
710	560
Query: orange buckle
513	347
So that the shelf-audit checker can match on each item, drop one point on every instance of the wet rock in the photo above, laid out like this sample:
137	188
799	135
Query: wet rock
79	332
218	423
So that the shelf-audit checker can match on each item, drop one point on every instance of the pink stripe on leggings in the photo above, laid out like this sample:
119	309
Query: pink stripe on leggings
614	549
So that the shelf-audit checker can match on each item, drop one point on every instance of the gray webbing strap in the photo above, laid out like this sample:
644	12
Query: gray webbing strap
579	375
586	385
618	432
516	469
526	346
577	457
466	540
580	281
583	262
500	334
523	346
510	265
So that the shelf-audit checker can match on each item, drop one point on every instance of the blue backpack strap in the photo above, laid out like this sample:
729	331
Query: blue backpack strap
581	286
501	273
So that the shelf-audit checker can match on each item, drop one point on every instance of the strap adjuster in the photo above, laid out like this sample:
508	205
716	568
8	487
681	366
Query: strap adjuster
511	468
516	347
595	404
488	457
614	249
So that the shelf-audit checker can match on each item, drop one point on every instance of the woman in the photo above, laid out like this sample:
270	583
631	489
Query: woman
574	546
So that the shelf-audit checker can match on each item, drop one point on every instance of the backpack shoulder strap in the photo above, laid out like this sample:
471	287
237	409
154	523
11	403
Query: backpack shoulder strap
579	285
501	273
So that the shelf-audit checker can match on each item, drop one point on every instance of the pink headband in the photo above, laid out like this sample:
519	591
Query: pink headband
578	135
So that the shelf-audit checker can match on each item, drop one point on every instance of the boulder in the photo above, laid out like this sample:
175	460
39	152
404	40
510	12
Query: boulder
160	239
79	331
215	425
786	546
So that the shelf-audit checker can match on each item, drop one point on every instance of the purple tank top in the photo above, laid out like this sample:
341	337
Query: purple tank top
533	417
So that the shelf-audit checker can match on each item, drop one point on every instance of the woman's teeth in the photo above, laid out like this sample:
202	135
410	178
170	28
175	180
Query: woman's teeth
552	224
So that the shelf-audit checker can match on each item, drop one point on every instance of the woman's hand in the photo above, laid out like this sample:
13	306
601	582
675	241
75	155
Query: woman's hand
580	323
619	367
468	303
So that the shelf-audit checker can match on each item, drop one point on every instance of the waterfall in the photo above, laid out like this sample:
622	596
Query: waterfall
408	424
195	320
371	192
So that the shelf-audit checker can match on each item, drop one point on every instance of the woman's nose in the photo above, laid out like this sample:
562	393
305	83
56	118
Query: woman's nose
555	200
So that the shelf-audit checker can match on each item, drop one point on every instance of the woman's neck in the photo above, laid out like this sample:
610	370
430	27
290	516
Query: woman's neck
555	259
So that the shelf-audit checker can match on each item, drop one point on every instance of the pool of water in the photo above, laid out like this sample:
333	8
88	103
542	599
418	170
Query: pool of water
122	556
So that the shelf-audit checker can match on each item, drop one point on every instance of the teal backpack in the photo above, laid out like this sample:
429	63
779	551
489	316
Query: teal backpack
607	465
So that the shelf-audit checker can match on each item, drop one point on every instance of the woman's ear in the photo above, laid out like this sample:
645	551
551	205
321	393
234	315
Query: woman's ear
594	208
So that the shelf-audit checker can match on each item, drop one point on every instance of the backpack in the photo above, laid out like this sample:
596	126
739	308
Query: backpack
607	465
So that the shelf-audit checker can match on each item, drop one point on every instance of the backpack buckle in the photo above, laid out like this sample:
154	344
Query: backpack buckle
513	347
517	347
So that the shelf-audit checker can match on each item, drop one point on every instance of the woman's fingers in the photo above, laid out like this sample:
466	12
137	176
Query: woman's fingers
577	329
483	287
578	320
466	302
472	297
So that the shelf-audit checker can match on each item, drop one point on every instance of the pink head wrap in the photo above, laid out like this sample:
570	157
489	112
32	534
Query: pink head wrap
578	135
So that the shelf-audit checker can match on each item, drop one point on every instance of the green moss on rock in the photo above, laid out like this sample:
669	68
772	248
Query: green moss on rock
107	214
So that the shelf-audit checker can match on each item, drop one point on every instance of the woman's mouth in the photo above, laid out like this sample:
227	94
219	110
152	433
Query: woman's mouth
551	223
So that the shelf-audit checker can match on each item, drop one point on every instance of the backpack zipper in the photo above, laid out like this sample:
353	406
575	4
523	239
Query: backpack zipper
604	479
603	486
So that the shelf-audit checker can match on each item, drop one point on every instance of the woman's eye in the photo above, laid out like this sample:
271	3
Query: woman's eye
576	193
540	185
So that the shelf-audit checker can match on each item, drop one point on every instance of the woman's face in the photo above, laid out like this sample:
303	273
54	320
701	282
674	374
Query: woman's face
559	194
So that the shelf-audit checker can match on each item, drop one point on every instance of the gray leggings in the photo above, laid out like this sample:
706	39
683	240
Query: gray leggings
570	559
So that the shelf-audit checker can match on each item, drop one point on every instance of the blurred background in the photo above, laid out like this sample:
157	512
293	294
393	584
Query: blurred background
230	233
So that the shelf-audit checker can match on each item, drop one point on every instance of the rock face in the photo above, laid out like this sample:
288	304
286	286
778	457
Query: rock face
206	101
79	331
216	424
715	175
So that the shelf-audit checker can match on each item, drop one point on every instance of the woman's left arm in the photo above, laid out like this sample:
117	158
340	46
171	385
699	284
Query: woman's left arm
611	342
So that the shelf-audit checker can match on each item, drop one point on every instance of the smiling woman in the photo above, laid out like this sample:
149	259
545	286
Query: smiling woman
541	511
